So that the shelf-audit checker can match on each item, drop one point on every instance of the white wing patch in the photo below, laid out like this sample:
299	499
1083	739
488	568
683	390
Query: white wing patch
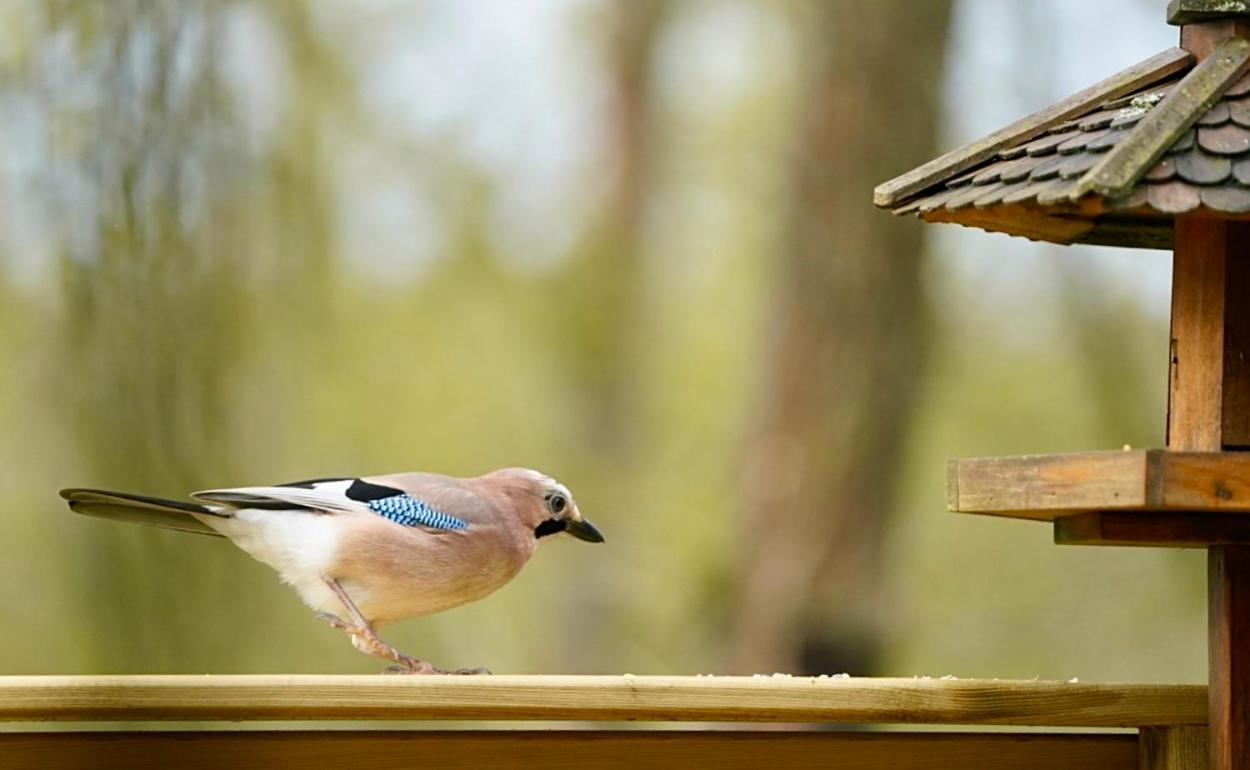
325	496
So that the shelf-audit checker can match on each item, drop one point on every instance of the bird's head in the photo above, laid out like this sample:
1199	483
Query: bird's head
544	504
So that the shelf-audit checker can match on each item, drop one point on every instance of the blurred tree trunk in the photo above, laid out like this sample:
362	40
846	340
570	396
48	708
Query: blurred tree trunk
606	297
844	348
603	295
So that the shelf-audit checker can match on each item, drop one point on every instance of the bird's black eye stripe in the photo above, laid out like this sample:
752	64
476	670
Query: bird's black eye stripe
549	527
364	492
556	502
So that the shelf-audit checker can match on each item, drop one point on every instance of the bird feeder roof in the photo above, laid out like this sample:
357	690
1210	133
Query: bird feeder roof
1113	164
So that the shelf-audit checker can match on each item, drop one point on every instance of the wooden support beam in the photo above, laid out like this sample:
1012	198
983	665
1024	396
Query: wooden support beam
1158	529
1228	637
1209	409
851	700
1173	748
1209	391
499	749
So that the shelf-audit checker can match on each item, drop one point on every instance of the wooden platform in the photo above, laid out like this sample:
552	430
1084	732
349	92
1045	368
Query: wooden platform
1047	487
1165	716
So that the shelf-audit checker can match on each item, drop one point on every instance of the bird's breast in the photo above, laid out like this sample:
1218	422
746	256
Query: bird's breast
394	572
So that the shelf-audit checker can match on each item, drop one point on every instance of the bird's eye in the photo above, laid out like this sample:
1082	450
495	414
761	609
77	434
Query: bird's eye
557	503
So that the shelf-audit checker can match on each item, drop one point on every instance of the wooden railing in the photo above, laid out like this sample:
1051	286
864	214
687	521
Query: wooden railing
1160	726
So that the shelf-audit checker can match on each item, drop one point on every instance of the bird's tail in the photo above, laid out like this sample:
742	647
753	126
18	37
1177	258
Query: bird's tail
153	511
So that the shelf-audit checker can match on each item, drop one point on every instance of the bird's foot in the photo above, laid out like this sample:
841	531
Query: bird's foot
370	644
366	640
428	668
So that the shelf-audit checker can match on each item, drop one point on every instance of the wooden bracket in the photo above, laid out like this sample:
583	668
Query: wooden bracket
1159	529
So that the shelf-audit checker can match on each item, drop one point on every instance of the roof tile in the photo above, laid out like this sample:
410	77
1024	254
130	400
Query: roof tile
1100	119
1202	169
1216	116
1049	169
964	196
1075	165
1186	142
1105	142
1240	88
1081	139
1059	191
1239	111
1230	198
1162	171
1021	168
1228	139
1241	171
1207	166
1173	197
1047	144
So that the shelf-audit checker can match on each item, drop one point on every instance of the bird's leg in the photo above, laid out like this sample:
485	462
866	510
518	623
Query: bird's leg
365	639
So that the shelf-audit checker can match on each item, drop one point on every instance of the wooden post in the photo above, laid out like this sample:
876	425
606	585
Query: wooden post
1172	748
1209	410
1228	634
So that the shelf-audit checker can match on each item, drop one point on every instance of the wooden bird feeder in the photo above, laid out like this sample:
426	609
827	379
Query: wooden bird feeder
1157	156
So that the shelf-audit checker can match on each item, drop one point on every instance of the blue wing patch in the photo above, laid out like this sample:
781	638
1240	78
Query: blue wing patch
411	512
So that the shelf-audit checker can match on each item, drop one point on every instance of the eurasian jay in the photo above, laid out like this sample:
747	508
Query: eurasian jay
365	552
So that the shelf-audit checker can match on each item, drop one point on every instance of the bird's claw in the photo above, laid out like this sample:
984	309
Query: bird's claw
365	640
338	623
427	668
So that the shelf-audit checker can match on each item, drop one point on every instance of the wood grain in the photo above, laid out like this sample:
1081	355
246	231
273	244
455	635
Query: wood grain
1138	76
1046	487
1228	639
1173	748
597	698
1235	387
1196	380
1159	529
1202	39
490	750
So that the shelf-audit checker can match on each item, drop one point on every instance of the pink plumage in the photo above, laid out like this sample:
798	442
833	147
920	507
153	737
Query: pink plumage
369	551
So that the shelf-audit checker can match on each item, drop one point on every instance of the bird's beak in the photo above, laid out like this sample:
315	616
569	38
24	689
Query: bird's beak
583	530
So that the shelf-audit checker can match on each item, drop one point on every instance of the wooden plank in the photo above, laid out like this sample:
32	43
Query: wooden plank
1228	640
1173	748
1024	221
719	699
1046	487
1235	387
1043	486
1196	380
495	750
1159	529
1126	163
1209	391
1138	76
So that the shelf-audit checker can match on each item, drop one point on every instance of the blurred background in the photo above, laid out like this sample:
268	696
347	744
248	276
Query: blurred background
628	243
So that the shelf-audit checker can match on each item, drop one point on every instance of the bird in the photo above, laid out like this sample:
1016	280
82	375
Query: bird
365	552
